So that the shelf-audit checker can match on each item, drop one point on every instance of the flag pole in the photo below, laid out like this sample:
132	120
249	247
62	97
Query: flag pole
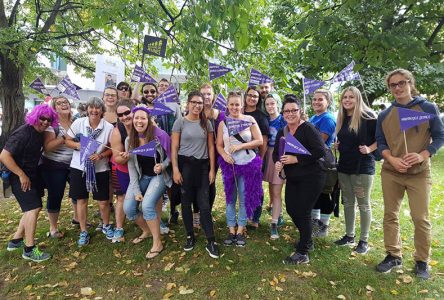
303	88
363	89
405	143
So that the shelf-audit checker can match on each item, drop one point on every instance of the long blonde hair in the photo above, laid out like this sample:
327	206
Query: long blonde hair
361	111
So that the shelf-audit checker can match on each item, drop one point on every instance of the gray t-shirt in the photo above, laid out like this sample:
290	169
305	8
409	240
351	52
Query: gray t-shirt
193	140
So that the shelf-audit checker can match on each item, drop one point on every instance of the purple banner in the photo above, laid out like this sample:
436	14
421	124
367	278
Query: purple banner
217	71
88	147
311	85
292	145
220	103
235	126
38	85
347	74
160	109
67	87
409	118
170	95
148	149
257	78
139	75
281	149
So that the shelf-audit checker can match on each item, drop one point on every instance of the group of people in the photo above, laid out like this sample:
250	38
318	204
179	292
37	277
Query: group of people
191	148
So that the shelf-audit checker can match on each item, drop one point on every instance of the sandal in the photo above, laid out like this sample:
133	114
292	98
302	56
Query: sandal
55	235
139	239
152	254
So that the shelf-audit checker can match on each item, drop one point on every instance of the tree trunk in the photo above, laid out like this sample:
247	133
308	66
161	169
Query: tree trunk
11	96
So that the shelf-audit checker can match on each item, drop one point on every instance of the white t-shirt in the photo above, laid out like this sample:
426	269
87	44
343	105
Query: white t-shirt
79	126
240	157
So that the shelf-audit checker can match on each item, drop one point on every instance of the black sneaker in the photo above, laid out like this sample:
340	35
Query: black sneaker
422	270
361	248
296	259
212	249
388	264
346	241
189	244
230	240
240	240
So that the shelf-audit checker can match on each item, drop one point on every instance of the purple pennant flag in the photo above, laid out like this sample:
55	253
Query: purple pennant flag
281	149
311	85
139	75
87	147
160	109
148	149
409	118
67	87
38	85
292	145
220	103
235	126
347	74
217	71
170	95
257	78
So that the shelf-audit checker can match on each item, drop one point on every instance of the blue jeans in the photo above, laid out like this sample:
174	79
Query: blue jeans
231	207
152	187
55	182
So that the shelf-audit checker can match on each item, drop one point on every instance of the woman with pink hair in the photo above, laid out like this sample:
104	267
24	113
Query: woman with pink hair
21	156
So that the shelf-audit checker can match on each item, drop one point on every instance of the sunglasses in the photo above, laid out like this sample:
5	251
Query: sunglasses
125	113
123	88
149	92
43	119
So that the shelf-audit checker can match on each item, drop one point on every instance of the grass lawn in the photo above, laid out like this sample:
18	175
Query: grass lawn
120	271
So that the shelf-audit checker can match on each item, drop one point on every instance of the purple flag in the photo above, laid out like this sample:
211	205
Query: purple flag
217	71
409	118
347	74
311	85
139	75
257	78
235	126
67	87
87	147
38	85
220	103
170	95
281	149
160	109
148	149
292	145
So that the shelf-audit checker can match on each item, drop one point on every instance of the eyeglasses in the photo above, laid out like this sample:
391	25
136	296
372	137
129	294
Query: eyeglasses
123	88
110	95
290	111
149	92
196	103
401	84
253	96
125	113
60	103
43	119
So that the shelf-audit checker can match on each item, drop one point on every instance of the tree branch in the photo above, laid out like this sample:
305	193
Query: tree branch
72	60
3	19
435	32
14	12
167	12
52	17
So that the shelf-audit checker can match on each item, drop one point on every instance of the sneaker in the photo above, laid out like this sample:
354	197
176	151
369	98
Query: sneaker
108	231
388	264
361	248
14	246
189	244
99	226
212	249
164	229
315	226
196	220
274	235
346	241
422	270
281	221
296	259
83	239
322	230
36	255
230	240
174	218
118	235
240	240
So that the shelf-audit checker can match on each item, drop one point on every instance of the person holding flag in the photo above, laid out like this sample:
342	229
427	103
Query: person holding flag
406	167
305	177
148	151
238	136
89	168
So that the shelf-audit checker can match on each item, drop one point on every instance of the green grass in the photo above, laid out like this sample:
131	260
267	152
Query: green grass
120	271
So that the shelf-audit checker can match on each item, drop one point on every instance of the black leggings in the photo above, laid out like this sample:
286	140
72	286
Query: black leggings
195	186
301	194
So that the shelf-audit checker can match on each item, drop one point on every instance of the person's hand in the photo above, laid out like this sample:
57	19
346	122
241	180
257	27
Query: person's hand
336	145
158	168
95	157
288	159
228	158
278	166
413	158
139	197
235	148
124	155
364	149
177	177
25	182
399	164
211	176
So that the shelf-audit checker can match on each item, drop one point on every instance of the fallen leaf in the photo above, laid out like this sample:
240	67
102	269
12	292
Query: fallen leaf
117	253
369	288
129	261
185	291
28	287
433	263
87	291
279	289
423	291
136	273
170	286
76	254
394	292
167	296
407	279
341	297
122	272
213	293
400	271
169	266
332	283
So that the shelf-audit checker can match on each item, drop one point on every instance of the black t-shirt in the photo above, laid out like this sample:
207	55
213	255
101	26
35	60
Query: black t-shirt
147	163
351	161
261	120
26	144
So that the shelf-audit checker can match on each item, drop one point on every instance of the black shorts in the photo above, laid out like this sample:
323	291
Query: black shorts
77	185
31	199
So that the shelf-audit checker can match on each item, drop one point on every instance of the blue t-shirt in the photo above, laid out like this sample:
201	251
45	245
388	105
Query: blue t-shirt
275	125
326	124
